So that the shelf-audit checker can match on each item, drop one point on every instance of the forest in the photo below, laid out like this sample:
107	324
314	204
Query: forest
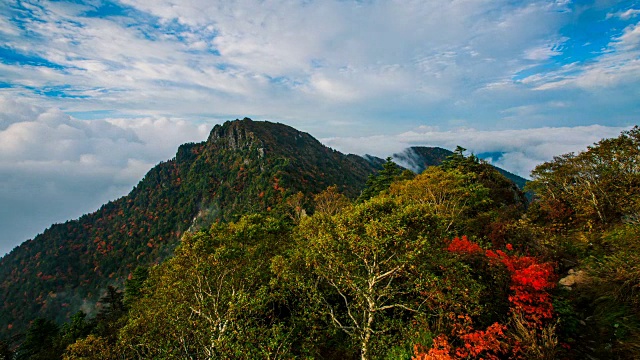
452	263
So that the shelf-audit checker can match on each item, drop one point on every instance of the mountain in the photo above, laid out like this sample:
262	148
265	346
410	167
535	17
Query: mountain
418	158
244	166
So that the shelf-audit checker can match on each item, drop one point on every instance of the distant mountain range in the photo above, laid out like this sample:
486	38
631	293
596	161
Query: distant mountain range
244	166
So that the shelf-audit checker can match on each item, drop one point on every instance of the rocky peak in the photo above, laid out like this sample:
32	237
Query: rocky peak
234	135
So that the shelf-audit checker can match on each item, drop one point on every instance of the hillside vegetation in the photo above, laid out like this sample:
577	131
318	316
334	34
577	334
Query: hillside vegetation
453	263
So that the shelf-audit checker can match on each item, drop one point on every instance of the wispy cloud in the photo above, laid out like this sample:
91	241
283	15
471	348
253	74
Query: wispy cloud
618	64
624	15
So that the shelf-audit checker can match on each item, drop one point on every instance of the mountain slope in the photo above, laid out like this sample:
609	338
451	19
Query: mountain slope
244	166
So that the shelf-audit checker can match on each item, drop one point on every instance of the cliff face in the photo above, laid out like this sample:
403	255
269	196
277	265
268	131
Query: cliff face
244	166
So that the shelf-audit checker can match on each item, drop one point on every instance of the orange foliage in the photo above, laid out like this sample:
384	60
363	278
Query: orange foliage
440	350
485	343
488	344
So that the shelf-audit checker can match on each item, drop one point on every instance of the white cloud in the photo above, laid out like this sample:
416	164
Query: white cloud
630	38
545	51
283	59
624	15
54	167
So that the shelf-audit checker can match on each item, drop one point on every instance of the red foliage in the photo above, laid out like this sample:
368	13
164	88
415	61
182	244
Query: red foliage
530	280
530	283
486	344
464	246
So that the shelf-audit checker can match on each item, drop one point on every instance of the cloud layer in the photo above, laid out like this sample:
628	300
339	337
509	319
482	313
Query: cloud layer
356	64
54	167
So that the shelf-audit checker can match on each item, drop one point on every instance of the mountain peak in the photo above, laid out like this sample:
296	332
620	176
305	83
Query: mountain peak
232	134
247	133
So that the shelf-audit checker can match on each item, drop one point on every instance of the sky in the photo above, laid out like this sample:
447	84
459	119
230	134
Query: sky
94	93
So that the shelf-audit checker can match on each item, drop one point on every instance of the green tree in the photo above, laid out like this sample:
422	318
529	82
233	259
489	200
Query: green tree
450	195
39	342
77	327
111	315
381	181
213	299
502	191
134	285
458	160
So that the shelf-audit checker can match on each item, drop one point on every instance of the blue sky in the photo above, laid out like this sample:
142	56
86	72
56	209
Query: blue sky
93	93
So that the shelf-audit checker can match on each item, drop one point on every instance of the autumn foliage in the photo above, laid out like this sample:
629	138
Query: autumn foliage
530	301
486	344
530	282
464	246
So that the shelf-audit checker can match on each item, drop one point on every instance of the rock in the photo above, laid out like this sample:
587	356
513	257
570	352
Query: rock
574	278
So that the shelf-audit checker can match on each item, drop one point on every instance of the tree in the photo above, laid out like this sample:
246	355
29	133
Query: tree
381	181
77	327
362	255
39	341
213	299
502	191
330	201
530	334
295	207
593	188
134	285
91	347
449	195
111	315
458	160
372	263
